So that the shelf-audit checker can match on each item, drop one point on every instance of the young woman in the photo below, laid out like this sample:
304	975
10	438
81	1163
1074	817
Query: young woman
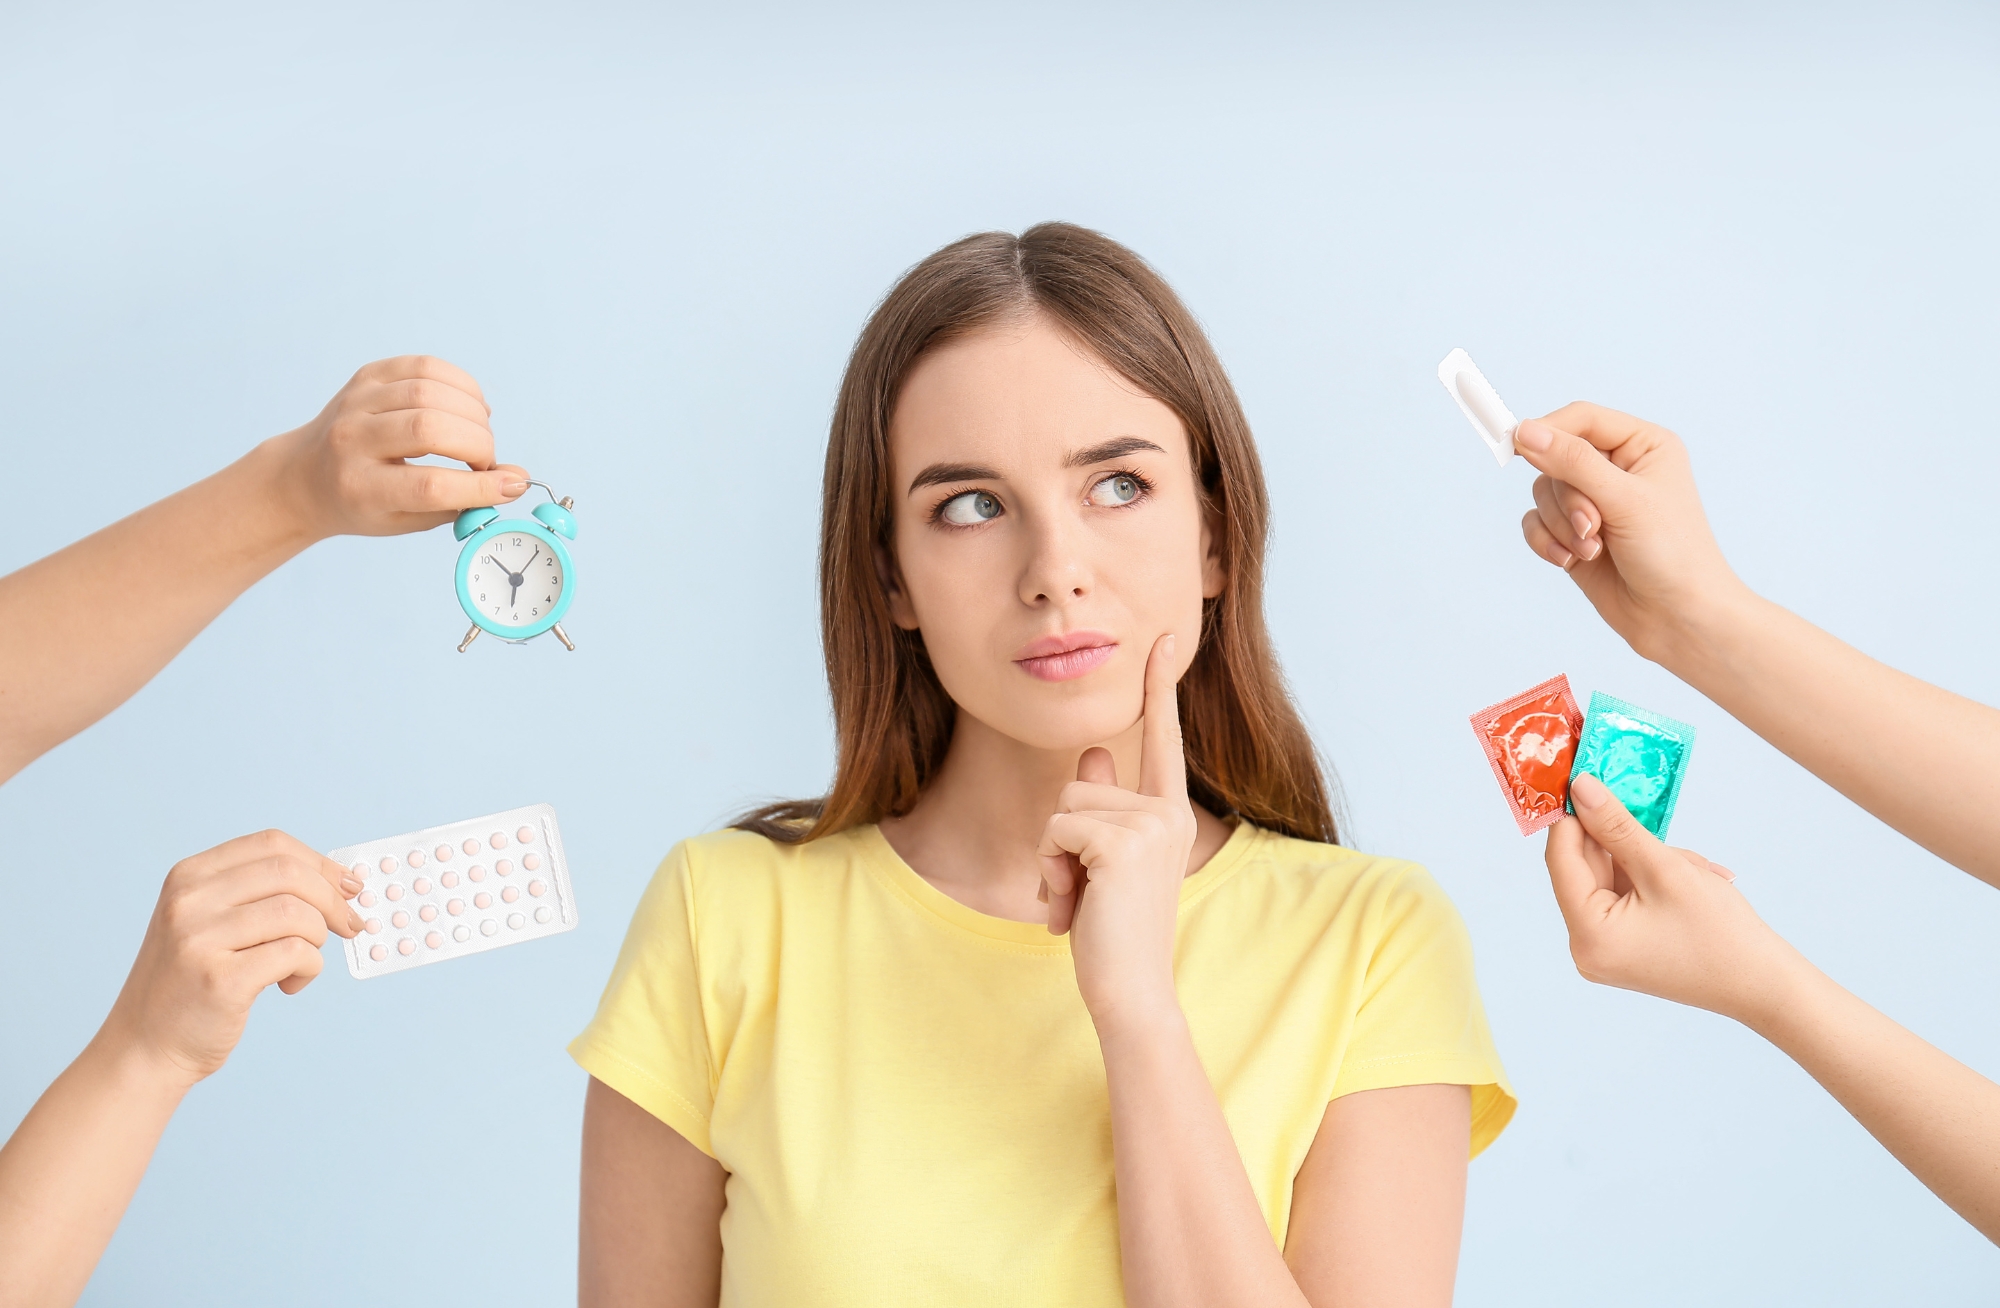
1063	993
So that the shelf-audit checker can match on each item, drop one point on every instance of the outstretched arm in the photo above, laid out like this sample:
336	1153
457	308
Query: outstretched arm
1668	922
90	624
245	915
1617	507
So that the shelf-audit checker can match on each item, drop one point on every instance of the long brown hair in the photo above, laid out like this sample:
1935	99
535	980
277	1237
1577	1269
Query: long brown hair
1248	754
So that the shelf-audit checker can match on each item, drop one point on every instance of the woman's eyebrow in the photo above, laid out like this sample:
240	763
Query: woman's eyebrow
1115	448
939	474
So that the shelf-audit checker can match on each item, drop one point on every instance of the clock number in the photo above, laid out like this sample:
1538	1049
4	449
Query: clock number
482	594
517	540
533	612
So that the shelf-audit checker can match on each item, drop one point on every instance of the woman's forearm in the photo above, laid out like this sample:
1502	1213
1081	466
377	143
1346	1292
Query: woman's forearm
1189	1229
70	1169
1922	759
1938	1117
92	623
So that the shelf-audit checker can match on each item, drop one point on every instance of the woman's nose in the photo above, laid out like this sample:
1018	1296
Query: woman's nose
1055	571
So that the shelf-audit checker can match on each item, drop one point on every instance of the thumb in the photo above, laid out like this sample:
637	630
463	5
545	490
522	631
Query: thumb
1096	767
1574	460
1635	850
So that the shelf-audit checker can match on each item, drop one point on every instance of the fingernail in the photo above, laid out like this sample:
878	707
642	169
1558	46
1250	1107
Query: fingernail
1567	561
1169	645
1592	548
1722	872
1043	893
1582	523
353	920
1587	790
1533	437
351	886
515	487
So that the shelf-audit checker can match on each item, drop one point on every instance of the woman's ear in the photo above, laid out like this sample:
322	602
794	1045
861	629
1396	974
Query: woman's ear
1214	576
901	611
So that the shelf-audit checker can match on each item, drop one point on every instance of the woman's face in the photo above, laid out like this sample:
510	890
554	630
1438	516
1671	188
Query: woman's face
1047	532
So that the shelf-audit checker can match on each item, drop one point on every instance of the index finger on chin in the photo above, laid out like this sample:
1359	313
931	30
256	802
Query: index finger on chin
1162	762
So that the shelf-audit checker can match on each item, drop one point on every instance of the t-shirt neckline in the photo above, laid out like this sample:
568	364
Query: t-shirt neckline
905	882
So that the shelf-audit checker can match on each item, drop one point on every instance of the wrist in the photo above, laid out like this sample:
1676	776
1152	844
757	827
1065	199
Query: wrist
1779	985
1702	629
140	1069
1140	1018
274	482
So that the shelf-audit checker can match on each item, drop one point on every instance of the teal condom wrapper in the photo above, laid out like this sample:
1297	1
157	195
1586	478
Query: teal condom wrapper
1639	755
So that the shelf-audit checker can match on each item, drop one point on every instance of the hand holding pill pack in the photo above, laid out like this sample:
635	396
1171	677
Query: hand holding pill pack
448	891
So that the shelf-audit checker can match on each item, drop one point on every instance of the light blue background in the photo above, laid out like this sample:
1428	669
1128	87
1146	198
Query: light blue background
653	237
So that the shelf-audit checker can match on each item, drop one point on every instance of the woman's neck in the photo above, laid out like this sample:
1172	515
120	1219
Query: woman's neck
974	830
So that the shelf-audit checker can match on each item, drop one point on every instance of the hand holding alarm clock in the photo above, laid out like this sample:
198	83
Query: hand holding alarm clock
514	576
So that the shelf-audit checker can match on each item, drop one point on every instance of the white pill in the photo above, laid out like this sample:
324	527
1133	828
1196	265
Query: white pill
461	933
542	914
516	921
488	927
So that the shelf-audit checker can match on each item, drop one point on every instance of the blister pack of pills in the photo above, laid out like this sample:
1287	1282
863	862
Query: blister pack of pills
1530	741
1480	404
1639	755
445	892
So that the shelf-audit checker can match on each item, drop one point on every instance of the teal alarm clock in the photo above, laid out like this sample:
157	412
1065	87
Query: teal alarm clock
514	574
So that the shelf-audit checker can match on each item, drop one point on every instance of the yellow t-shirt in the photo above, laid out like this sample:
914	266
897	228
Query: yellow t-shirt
908	1095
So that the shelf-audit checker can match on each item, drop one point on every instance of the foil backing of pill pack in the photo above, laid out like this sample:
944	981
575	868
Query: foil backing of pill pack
445	892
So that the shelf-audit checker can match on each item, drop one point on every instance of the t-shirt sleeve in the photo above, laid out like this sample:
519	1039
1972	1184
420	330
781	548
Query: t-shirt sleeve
649	1040
1420	1020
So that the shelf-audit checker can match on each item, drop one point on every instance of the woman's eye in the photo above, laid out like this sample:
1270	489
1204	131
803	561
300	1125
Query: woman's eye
1122	488
970	509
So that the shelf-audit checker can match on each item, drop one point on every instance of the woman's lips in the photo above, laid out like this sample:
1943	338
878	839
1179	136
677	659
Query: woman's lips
1065	657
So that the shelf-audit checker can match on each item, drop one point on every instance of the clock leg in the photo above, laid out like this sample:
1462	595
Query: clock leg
563	636
471	635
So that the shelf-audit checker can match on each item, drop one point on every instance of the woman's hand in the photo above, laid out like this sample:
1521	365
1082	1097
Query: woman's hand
1644	916
245	915
1616	506
1114	861
347	472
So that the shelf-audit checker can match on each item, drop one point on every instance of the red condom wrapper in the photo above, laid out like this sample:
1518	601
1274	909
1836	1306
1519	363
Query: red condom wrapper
1531	742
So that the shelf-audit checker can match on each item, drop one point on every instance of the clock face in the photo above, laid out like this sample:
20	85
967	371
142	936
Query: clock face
515	579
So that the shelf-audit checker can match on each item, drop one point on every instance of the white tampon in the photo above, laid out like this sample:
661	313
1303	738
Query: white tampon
1480	403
